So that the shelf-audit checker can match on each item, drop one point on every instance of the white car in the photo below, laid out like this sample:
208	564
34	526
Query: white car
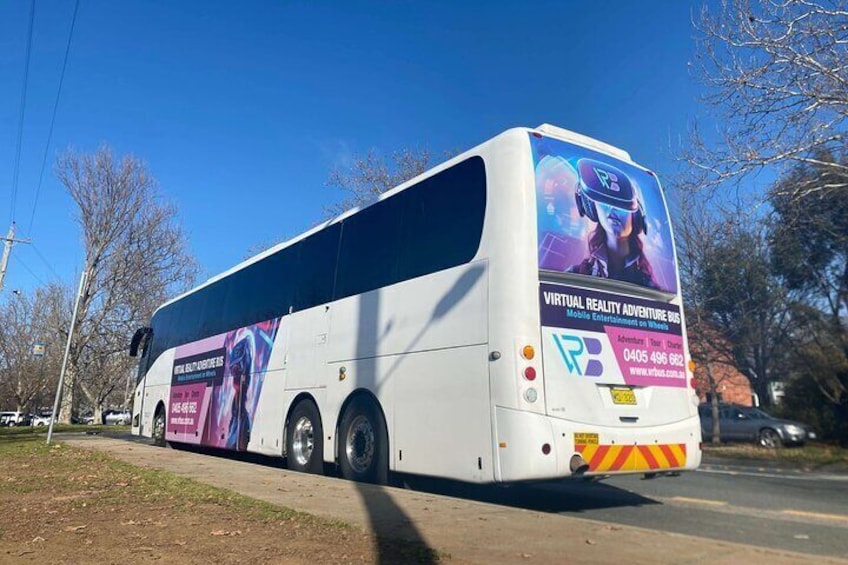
117	417
42	420
11	418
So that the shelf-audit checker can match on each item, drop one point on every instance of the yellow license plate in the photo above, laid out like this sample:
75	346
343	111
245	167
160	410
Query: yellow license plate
623	396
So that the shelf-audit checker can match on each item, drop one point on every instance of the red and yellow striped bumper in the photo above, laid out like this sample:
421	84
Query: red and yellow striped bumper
603	458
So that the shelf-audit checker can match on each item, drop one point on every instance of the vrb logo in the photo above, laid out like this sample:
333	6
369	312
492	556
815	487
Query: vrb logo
573	349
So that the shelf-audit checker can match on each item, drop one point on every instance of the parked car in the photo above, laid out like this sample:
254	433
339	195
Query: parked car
117	417
41	420
12	418
87	419
748	424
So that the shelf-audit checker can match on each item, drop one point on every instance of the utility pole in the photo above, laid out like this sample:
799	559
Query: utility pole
8	242
59	391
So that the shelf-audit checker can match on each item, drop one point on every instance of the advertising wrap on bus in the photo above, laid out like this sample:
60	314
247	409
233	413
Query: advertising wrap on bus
619	362
601	217
215	386
613	339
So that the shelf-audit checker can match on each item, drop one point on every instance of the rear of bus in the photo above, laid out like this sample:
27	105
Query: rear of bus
612	368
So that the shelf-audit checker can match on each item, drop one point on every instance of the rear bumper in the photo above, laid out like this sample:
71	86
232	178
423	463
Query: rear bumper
521	437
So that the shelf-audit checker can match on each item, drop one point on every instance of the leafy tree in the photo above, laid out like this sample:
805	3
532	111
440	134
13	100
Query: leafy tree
747	305
135	256
808	237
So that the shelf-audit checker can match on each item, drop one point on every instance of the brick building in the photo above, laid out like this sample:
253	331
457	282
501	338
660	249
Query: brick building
732	386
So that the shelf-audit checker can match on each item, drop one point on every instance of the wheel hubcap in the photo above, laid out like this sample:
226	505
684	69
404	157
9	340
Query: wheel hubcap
360	444
159	427
303	441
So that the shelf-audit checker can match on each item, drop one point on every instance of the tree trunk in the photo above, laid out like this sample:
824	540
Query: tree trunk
714	406
67	403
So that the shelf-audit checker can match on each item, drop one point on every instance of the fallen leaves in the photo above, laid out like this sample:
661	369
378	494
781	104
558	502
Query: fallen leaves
225	533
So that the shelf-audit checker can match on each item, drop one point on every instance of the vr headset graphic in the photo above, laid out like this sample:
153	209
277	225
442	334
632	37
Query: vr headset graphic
602	183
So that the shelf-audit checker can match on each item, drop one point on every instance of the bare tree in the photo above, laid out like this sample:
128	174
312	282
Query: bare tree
372	174
135	255
779	88
27	376
695	235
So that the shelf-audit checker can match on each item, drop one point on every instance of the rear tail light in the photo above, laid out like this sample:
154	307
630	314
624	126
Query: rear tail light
693	383
528	352
530	374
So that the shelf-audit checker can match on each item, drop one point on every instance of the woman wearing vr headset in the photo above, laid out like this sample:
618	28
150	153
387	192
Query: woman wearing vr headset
606	196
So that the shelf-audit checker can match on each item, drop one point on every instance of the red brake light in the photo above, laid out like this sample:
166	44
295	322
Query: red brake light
530	373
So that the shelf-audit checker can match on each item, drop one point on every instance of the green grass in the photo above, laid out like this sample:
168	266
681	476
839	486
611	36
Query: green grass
813	456
17	431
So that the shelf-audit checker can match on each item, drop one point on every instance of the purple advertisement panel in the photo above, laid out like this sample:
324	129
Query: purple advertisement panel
600	217
215	386
617	338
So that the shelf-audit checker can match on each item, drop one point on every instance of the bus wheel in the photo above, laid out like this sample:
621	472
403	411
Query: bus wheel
363	449
305	439
159	427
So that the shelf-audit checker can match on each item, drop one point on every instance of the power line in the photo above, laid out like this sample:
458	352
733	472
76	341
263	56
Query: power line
23	111
30	271
53	119
45	261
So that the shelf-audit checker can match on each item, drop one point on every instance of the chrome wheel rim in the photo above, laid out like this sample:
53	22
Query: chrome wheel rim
159	427
303	441
361	444
768	439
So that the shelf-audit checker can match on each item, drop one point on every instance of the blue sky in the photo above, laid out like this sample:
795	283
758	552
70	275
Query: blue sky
240	109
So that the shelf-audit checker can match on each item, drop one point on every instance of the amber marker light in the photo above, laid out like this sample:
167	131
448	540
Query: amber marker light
691	365
528	352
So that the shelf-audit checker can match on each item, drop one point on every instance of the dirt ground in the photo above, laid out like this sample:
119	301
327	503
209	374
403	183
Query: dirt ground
99	499
66	505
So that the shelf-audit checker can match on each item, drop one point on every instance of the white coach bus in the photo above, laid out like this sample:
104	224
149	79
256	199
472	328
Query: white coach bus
513	314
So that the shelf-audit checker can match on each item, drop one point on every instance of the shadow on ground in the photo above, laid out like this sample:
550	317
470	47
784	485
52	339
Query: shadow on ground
564	496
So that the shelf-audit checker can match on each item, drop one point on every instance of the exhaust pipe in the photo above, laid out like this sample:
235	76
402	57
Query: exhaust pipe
578	465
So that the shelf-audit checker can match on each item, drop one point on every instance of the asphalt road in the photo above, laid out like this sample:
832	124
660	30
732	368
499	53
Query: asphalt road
743	503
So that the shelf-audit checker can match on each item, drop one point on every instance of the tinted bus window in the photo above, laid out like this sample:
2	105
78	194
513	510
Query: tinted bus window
443	220
433	225
370	248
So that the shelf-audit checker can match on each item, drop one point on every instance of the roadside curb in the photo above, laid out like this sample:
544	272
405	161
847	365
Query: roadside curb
735	464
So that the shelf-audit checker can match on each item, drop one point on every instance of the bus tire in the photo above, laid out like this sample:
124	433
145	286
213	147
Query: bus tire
364	443
158	432
305	439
